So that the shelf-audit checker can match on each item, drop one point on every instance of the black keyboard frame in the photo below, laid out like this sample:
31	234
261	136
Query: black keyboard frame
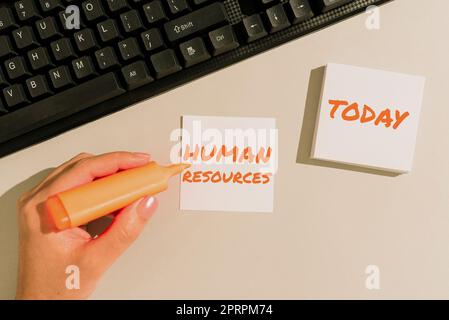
189	74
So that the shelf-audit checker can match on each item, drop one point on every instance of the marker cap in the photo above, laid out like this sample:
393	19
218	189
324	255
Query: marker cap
60	215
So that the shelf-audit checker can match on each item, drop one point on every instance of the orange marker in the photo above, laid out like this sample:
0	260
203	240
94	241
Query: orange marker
80	205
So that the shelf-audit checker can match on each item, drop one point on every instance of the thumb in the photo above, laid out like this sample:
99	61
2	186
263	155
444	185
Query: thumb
123	231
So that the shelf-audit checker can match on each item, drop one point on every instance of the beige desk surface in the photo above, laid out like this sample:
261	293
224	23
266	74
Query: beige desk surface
314	245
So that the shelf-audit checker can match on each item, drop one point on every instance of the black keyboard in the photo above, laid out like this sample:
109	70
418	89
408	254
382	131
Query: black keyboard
68	62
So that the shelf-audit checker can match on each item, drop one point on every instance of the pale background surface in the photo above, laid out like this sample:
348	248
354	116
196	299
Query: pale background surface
328	224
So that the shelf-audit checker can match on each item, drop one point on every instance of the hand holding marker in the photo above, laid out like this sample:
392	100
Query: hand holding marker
80	205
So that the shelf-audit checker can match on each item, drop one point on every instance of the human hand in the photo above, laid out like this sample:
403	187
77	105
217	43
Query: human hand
45	252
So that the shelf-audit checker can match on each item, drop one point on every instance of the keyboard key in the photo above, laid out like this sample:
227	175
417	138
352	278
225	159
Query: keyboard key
108	30
194	51
60	77
60	106
6	19
299	10
165	63
47	28
50	5
154	12
62	49
136	75
83	68
24	37
39	58
196	21
327	5
278	18
26	10
14	96
93	10
117	5
129	49
152	39
254	27
6	48
37	86
16	68
131	21
177	6
223	40
85	40
106	58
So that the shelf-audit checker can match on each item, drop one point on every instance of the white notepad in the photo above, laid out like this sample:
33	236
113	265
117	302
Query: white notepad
234	161
368	118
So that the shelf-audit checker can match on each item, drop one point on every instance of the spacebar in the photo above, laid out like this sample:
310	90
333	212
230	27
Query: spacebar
59	106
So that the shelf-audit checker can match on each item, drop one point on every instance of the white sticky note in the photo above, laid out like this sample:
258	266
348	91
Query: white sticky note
368	118
234	161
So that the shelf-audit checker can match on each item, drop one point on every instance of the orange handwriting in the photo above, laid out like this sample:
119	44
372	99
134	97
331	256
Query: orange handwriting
366	114
223	177
245	155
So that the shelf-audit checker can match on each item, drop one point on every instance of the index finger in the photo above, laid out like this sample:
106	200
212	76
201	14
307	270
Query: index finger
89	169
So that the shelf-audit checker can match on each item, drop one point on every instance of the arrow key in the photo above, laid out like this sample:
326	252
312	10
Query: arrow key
278	18
254	28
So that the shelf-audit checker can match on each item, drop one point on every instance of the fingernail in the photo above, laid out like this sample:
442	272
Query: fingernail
146	207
